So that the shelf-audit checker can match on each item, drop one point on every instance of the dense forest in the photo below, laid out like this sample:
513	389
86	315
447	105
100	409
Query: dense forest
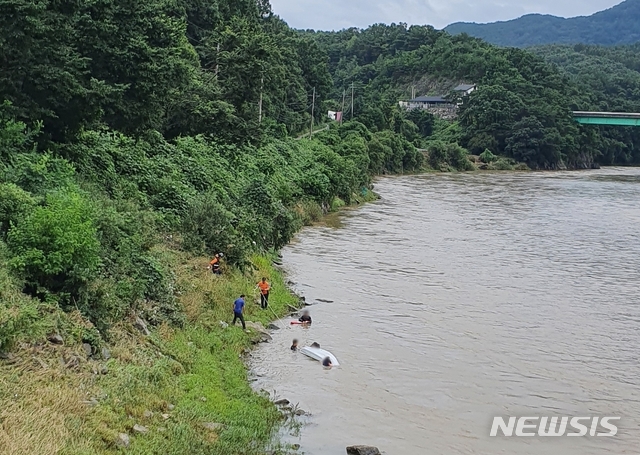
522	109
610	77
617	25
137	137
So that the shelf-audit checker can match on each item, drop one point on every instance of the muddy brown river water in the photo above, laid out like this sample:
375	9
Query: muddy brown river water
457	298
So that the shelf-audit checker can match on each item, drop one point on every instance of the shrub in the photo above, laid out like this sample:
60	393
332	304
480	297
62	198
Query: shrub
487	156
501	164
15	203
20	316
56	248
41	174
444	156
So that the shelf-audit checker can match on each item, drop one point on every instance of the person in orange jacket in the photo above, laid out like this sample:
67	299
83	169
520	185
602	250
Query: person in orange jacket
214	265
264	287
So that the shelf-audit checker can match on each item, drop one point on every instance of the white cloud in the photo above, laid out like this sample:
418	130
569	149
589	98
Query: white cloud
338	14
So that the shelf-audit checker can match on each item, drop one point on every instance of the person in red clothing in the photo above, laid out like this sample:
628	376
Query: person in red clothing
264	293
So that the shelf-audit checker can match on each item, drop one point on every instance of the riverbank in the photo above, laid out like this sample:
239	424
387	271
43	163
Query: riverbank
175	390
149	390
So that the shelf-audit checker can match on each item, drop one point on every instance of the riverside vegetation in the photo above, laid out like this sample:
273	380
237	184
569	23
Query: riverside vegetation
138	139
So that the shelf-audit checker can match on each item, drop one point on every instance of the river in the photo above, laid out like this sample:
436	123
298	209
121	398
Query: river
460	297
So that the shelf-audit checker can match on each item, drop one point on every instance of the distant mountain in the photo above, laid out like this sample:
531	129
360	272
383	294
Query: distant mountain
617	25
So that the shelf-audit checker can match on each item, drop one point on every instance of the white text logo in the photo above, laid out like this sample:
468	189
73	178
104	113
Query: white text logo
554	426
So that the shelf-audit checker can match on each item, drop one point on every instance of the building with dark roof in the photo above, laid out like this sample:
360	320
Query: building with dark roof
465	89
427	102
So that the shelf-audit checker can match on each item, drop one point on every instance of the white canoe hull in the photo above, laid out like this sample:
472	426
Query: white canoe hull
319	355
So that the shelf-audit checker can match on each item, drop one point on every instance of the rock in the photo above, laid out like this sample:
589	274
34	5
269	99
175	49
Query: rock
324	300
123	440
203	399
102	369
170	407
55	339
165	416
212	426
91	403
141	325
282	402
363	450
273	327
263	335
223	324
295	446
87	349
106	355
140	429
301	412
148	414
277	263
257	326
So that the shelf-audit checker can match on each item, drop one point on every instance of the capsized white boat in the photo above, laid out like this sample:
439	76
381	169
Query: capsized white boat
319	355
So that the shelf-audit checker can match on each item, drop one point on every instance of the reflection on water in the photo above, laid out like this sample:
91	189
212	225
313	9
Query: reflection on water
457	298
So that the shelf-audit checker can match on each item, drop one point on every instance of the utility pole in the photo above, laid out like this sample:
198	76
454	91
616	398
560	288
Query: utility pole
217	57
352	107
313	108
344	94
413	92
260	102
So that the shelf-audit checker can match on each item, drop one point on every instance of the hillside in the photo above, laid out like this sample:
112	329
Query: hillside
617	25
610	76
522	109
137	139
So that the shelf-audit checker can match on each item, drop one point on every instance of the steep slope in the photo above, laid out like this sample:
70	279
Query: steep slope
617	25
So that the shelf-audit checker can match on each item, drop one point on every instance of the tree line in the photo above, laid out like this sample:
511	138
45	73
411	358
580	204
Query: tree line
125	124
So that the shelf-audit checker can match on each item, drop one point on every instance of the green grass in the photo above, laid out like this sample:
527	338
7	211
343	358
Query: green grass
193	375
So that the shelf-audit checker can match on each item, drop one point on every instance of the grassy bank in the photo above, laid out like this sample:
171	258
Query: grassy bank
187	386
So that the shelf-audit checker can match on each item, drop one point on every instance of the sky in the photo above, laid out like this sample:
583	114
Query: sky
339	14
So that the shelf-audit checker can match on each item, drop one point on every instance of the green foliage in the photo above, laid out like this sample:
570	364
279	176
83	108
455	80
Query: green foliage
502	164
487	156
384	63
444	157
15	204
20	316
55	247
609	80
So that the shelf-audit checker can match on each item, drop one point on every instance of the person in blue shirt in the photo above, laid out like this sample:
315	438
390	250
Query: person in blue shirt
238	309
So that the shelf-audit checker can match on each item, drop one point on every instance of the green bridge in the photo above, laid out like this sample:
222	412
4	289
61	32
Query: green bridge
607	118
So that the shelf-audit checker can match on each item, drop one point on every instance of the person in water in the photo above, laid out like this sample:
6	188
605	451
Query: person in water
294	345
305	318
315	345
327	362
